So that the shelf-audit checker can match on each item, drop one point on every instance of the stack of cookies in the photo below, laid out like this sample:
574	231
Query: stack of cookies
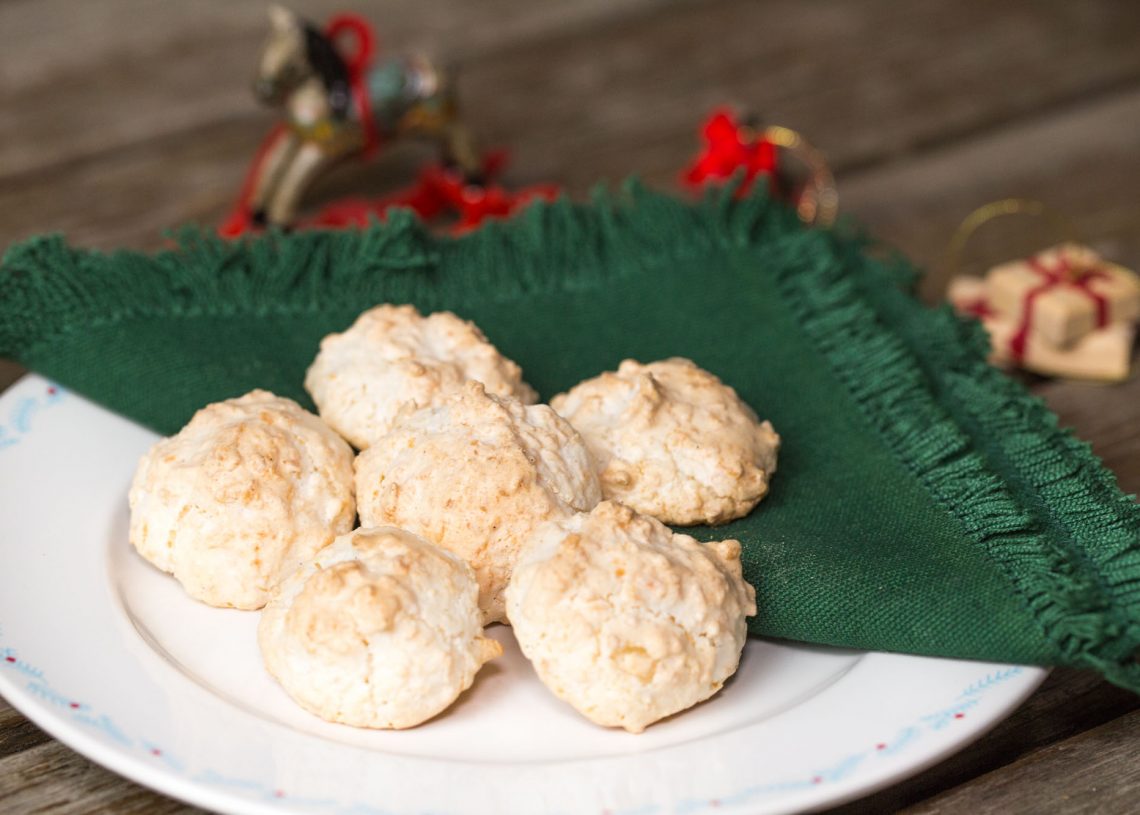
476	506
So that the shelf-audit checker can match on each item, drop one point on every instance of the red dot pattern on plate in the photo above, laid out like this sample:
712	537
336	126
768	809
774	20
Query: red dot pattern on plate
51	391
713	802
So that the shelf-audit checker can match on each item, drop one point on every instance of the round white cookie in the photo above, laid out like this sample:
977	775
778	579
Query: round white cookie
626	620
240	496
392	359
381	629
476	475
672	441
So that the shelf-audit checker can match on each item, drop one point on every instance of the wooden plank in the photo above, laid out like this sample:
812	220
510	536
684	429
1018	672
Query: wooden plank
79	79
17	733
1106	416
914	204
1095	772
839	72
1068	703
1079	160
9	373
52	778
583	105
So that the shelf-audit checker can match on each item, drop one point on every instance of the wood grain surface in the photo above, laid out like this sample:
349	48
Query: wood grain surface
122	118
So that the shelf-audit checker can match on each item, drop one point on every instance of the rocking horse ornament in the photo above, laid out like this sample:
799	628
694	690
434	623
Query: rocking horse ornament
339	103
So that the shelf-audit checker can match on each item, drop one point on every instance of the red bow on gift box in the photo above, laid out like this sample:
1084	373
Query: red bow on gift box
1060	273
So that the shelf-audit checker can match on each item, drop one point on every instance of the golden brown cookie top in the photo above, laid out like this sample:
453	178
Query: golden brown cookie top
392	359
476	474
672	441
240	496
626	620
381	629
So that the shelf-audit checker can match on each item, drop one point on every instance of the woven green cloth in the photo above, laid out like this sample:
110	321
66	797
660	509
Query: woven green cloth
924	502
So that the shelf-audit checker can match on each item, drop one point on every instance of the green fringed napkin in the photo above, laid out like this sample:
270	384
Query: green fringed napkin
924	502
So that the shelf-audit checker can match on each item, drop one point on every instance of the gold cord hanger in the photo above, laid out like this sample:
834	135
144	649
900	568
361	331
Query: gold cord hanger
1060	223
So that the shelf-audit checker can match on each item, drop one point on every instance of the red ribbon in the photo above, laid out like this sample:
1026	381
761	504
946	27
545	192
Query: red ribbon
726	152
440	191
1061	274
357	65
979	308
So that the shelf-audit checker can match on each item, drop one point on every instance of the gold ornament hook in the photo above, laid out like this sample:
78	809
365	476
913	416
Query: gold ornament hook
819	203
996	209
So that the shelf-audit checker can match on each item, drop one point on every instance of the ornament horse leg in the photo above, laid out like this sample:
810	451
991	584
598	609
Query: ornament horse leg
268	178
459	148
305	164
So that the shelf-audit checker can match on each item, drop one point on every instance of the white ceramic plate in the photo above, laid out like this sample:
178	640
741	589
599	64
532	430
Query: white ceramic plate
109	656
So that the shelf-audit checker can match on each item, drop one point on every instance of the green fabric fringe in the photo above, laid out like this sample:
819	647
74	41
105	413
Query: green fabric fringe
987	452
52	289
1086	598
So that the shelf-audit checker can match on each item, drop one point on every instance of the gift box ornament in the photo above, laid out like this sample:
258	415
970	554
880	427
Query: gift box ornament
1065	311
1102	354
1064	293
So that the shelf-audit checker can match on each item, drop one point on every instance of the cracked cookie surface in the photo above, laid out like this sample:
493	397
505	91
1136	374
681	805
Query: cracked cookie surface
394	359
672	441
381	629
626	620
476	475
248	489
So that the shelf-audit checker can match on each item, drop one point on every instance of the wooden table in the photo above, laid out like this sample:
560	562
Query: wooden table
121	118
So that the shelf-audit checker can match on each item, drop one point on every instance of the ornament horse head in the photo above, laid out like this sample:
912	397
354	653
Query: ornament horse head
336	106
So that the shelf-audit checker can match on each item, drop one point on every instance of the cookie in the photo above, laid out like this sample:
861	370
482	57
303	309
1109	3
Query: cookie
672	441
626	620
392	359
240	496
381	629
476	475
